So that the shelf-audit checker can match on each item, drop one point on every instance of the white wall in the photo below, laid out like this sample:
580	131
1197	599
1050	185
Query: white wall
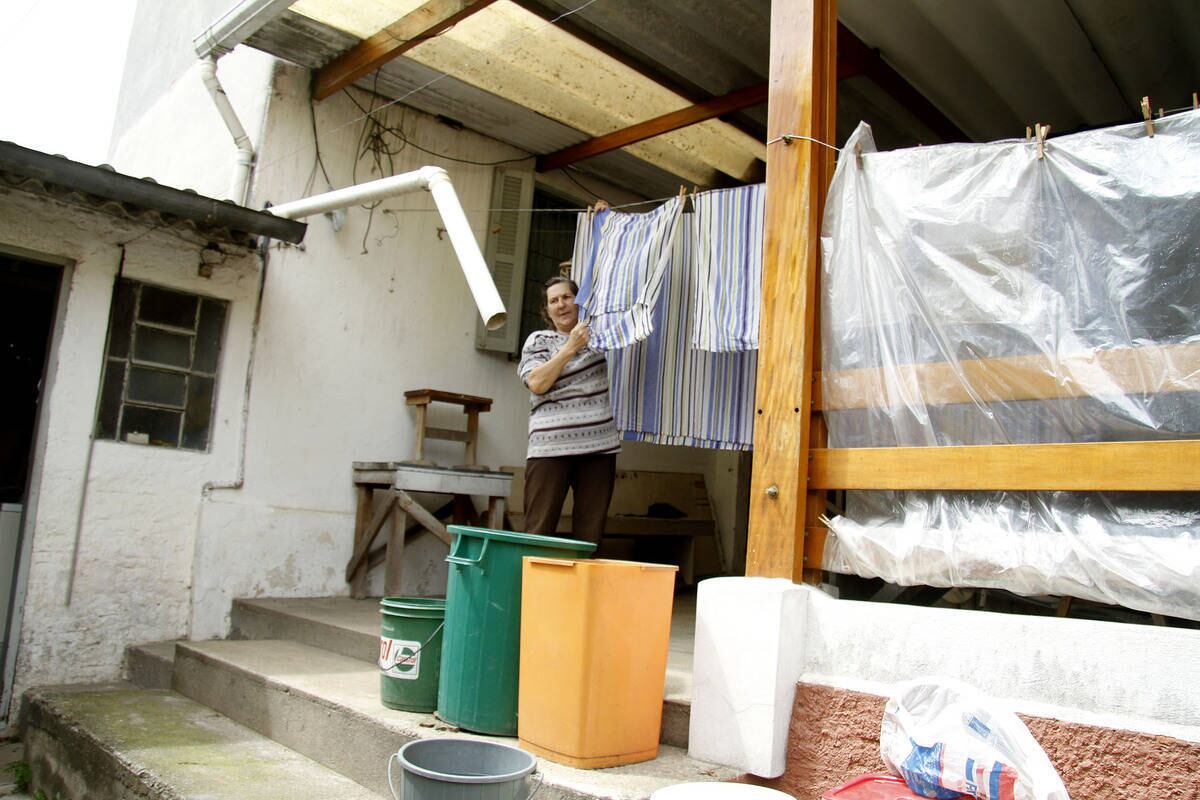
181	140
343	335
1136	677
135	556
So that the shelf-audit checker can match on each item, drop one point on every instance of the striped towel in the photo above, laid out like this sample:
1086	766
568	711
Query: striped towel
628	255
728	268
666	392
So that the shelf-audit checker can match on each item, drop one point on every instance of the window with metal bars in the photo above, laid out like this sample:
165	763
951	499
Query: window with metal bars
160	368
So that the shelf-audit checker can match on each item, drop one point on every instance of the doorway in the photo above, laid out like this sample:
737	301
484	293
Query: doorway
28	297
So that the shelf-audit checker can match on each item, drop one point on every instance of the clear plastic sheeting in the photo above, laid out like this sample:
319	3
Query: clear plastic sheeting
975	294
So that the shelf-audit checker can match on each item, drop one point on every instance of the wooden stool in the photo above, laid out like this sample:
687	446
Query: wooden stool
398	479
471	406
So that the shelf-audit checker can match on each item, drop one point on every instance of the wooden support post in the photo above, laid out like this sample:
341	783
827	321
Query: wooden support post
495	513
472	435
421	515
393	569
362	518
420	450
802	80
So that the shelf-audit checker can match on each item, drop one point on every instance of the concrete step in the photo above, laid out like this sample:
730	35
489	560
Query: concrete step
327	707
337	624
351	628
149	666
120	742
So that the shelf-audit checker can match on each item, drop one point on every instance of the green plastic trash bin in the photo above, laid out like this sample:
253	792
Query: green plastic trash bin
477	689
410	652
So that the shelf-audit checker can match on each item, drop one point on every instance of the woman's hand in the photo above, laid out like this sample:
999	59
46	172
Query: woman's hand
577	339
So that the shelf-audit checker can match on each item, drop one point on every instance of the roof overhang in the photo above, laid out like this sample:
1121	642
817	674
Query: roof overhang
106	184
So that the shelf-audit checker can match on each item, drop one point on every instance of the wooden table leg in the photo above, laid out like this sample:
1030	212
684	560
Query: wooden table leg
472	436
362	518
394	564
495	513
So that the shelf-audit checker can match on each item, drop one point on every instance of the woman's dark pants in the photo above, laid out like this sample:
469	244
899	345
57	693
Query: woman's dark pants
590	477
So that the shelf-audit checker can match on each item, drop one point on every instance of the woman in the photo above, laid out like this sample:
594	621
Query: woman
572	441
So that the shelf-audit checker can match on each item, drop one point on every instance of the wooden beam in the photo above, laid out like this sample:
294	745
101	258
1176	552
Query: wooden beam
866	61
1167	466
423	22
1147	369
673	121
800	84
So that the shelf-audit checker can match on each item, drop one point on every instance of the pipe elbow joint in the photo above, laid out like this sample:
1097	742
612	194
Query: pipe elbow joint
433	175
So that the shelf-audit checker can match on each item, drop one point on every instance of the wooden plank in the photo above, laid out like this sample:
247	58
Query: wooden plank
673	121
1147	369
393	567
421	397
362	518
419	450
427	20
799	85
1166	466
495	513
472	437
449	481
364	544
448	434
418	512
804	567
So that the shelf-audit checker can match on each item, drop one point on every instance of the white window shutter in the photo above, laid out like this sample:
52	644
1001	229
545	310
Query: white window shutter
505	251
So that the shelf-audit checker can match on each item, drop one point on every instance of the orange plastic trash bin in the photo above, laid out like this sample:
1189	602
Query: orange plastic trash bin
594	637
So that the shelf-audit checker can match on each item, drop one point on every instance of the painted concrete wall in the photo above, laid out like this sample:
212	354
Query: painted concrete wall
1137	677
159	53
180	140
343	334
835	737
138	529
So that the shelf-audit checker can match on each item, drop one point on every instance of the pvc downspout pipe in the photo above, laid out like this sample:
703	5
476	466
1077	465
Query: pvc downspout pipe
236	26
462	239
239	185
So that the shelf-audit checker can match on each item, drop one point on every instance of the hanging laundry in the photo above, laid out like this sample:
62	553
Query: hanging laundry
666	392
627	256
728	268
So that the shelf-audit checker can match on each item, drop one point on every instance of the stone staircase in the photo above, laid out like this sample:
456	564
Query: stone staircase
289	706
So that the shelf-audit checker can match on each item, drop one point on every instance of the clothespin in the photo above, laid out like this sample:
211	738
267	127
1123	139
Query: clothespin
1195	100
858	159
1146	116
1042	132
1028	134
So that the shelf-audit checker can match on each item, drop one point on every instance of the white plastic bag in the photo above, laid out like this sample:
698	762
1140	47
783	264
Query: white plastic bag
947	739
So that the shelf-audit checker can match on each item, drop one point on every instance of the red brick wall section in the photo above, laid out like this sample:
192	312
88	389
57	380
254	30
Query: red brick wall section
835	737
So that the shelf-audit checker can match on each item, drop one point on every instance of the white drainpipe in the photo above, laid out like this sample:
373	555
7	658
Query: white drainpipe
239	186
231	29
437	182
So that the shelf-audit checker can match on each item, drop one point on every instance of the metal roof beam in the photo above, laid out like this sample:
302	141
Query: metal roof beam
424	22
672	121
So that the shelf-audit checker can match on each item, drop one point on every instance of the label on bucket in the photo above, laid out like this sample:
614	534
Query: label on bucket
399	658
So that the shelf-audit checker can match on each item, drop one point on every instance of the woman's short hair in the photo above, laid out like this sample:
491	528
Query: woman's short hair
556	280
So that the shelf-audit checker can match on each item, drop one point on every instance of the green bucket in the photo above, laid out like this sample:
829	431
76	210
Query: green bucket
410	652
477	689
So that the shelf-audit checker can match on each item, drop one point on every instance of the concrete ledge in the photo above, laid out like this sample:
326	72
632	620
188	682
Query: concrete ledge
120	743
150	665
327	706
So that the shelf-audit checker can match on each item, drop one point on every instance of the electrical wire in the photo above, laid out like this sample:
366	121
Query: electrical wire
479	57
398	132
